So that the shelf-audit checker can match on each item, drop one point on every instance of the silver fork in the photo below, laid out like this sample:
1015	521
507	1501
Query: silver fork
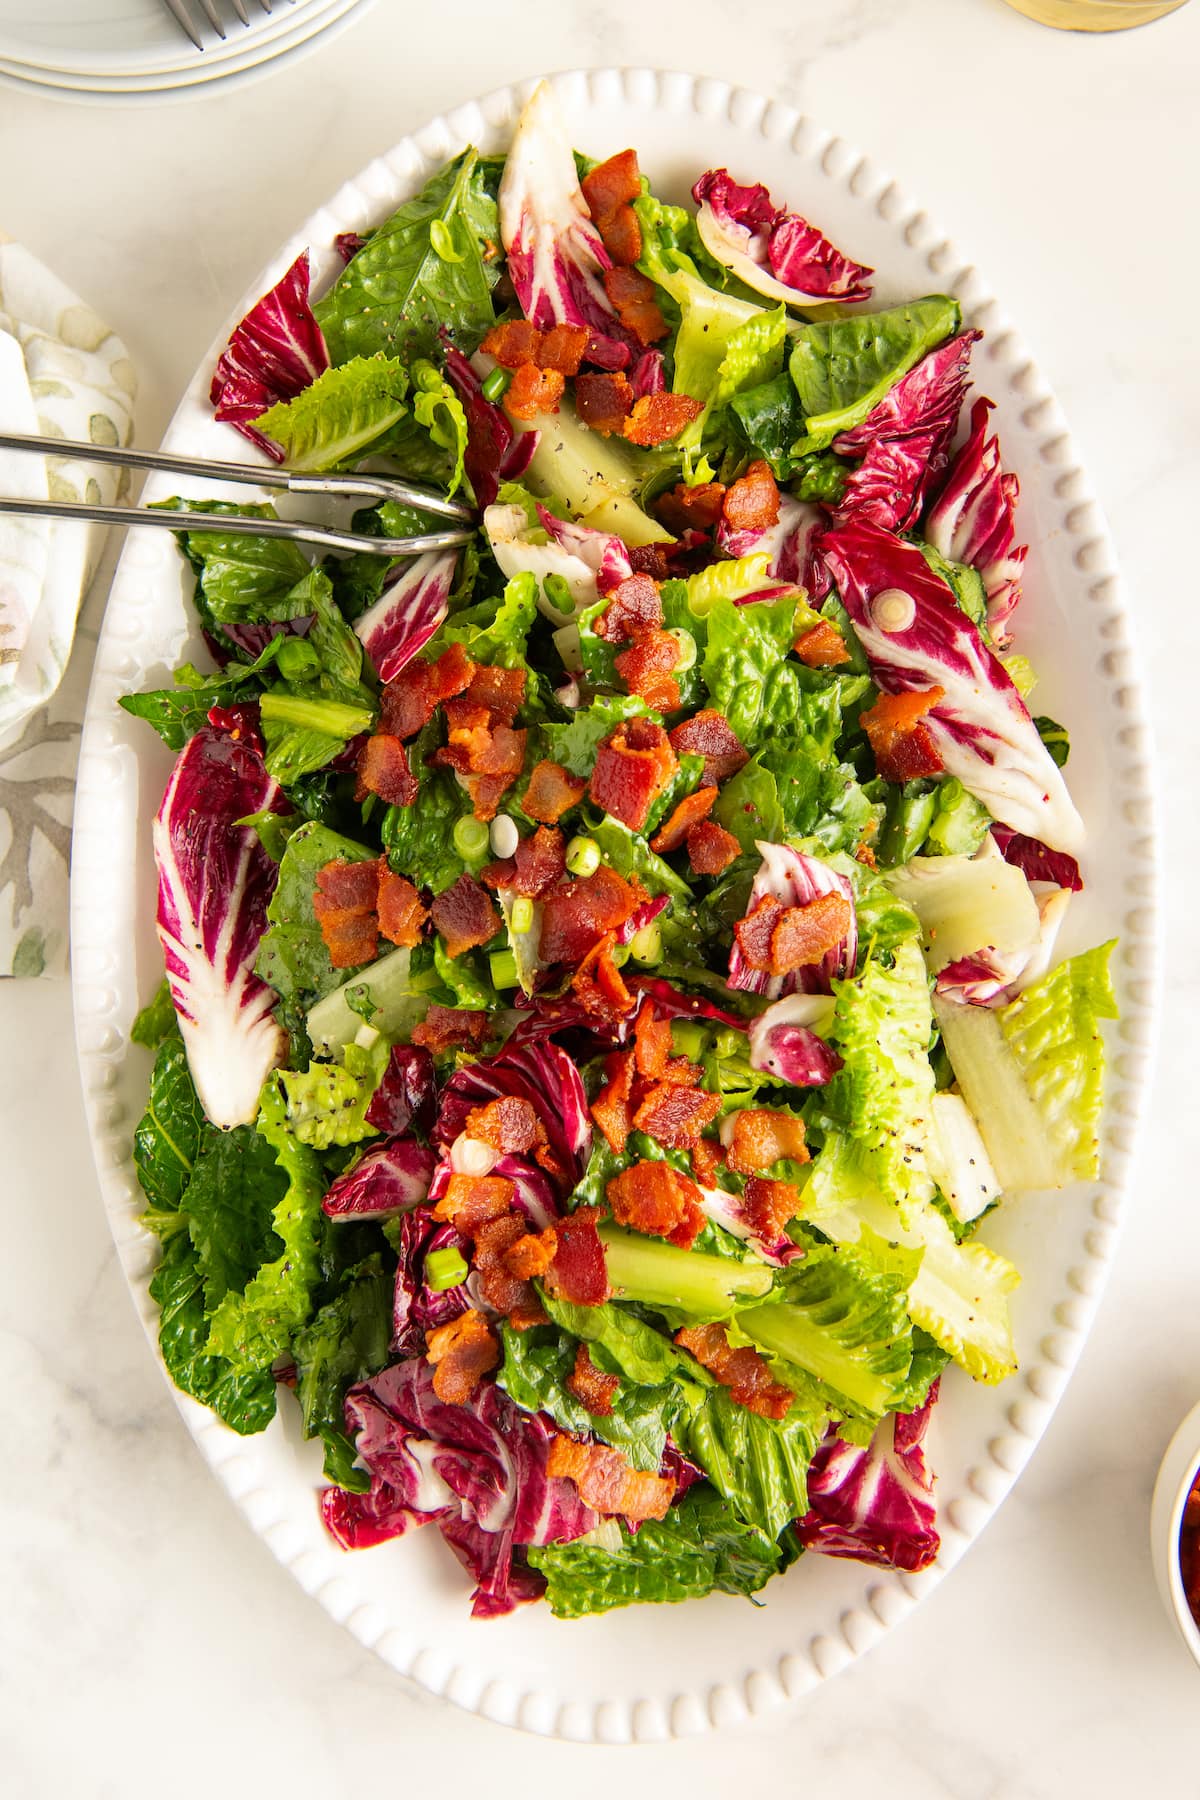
184	15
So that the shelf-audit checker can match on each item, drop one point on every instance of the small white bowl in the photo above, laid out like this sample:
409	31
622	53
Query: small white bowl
1176	1475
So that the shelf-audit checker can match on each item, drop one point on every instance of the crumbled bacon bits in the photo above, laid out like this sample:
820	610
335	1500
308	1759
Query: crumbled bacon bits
711	848
655	1199
633	765
709	734
409	700
515	343
762	1136
552	791
695	508
530	1256
603	402
611	1108
452	1028
533	391
676	1115
635	303
507	1293
657	418
744	1372
635	606
464	916
708	1159
344	904
608	1483
383	770
752	503
575	913
690	810
471	1200
822	647
770	1205
591	1386
508	1124
647	669
904	749
579	1273
609	190
401	914
462	1353
782	938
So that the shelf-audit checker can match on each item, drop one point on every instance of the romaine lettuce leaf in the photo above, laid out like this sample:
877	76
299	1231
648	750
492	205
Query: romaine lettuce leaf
843	367
757	1464
343	413
419	839
244	1399
292	955
346	1340
537	1365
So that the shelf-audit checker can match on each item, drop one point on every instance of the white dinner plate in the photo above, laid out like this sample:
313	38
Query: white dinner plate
651	1672
125	37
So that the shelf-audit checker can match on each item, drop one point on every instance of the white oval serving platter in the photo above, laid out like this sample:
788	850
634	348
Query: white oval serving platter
653	1672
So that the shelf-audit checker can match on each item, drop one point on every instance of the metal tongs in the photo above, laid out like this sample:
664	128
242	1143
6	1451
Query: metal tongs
371	487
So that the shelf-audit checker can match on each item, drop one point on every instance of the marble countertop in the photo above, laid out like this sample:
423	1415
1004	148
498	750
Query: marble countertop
148	1642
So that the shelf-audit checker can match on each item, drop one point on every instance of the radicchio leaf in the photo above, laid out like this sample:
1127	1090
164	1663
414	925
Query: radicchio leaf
1035	861
789	544
794	880
274	354
556	259
417	1308
775	252
875	1504
407	1094
214	882
648	374
973	521
479	1472
592	563
981	727
783	1043
408	612
390	1179
495	451
539	1072
672	1003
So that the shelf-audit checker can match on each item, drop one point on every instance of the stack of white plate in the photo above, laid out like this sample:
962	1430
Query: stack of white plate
131	50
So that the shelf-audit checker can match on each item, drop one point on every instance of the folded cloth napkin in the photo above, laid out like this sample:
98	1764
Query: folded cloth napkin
63	373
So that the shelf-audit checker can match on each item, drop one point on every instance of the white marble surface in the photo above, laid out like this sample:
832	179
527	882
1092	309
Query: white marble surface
148	1642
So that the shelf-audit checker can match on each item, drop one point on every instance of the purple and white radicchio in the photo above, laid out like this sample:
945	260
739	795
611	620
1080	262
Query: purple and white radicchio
592	563
973	521
407	1094
541	1073
391	1178
916	637
783	1042
773	251
904	442
274	354
795	880
496	451
990	977
789	545
875	1504
478	1472
214	882
408	612
556	258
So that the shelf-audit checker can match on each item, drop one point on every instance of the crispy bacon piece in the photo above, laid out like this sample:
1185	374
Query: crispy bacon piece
743	1372
755	931
752	503
451	1028
762	1136
804	934
383	769
576	913
462	1352
603	402
612	183
655	1199
646	669
651	1043
822	647
540	861
552	791
464	916
676	1116
507	1293
401	914
651	559
709	734
579	1272
904	749
633	765
611	1107
865	855
532	391
530	1256
679	1072
350	886
598	985
591	1386
657	418
410	698
513	342
351	938
622	235
509	1124
708	1159
499	691
562	348
635	607
608	1483
691	809
471	1200
633	296
770	1205
711	848
691	508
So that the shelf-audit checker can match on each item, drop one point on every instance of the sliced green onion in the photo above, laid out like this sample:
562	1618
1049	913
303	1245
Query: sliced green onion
495	385
442	239
331	716
558	593
583	856
444	1269
687	648
521	917
296	660
646	945
689	1038
503	965
470	838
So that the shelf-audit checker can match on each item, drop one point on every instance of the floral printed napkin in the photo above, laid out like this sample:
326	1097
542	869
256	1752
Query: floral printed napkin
63	374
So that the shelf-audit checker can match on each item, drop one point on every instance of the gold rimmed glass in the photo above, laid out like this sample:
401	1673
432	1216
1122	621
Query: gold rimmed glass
1095	15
